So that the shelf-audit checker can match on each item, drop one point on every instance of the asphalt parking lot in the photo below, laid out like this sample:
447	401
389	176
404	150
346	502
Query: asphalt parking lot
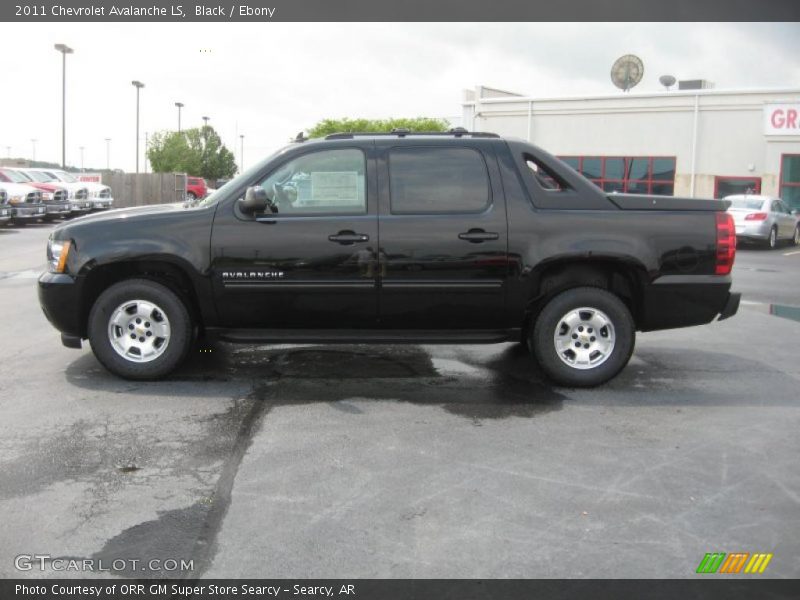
405	461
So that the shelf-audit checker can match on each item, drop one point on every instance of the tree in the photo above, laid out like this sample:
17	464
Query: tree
198	152
328	126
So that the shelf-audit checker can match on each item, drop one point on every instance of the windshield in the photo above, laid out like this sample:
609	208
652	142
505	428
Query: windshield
38	176
15	176
747	203
64	176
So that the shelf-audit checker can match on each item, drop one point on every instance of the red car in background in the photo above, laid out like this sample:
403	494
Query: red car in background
196	188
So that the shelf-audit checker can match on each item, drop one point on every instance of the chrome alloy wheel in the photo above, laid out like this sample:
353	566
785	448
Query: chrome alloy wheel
584	338
139	331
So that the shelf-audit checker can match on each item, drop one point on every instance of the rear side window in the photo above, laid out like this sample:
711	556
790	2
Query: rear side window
438	180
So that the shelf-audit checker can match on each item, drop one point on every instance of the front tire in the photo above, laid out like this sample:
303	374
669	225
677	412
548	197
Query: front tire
140	329
583	337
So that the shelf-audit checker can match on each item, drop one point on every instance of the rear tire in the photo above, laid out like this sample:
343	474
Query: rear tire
772	240
583	337
139	329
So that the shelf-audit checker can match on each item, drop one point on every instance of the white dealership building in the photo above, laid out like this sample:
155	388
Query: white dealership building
701	143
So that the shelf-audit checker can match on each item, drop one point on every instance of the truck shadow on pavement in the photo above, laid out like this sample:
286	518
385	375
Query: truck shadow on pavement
503	384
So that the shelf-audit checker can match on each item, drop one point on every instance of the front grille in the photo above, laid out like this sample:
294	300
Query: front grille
60	196
34	197
106	193
82	194
3	197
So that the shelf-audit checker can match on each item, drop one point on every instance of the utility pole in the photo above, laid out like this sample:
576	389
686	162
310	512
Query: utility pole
138	85
180	106
64	49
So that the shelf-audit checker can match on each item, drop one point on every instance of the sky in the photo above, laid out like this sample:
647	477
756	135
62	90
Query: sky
268	81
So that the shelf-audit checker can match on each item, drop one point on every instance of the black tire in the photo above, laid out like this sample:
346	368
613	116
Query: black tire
543	344
772	240
177	315
191	196
796	238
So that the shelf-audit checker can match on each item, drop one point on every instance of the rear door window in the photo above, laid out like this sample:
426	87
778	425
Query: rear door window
426	180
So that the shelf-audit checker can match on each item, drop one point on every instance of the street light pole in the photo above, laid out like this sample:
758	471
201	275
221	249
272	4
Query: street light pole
64	49
138	85
108	154
180	106
205	121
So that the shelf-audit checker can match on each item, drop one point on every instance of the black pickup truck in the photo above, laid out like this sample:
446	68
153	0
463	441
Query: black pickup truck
451	238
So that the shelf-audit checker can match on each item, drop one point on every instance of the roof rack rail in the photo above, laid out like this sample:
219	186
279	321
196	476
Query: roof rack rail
400	132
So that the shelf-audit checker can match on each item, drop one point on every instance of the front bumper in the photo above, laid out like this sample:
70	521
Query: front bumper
102	203
59	298
675	301
58	208
28	212
80	206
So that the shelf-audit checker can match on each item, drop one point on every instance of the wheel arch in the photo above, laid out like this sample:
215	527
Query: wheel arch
625	278
173	276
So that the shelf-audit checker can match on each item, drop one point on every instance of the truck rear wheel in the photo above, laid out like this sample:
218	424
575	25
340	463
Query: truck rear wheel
139	329
583	337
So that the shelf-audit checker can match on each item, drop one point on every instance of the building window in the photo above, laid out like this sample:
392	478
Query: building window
628	174
728	186
790	180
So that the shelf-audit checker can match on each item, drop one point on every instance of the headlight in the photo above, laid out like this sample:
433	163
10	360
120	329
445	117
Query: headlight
16	199
57	252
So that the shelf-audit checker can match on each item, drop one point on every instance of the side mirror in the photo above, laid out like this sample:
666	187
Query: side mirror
255	200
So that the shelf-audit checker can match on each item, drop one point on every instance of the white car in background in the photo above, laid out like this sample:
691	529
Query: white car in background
78	192
763	219
22	201
99	194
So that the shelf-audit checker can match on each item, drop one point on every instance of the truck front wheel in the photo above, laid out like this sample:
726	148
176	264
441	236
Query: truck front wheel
583	337
139	329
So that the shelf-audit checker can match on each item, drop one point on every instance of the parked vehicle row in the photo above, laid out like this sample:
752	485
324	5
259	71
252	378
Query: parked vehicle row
30	194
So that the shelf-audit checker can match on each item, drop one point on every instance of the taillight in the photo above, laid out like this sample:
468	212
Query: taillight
756	217
726	243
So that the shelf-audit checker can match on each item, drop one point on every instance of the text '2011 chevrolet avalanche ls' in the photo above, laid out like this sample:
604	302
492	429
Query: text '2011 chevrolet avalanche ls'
454	237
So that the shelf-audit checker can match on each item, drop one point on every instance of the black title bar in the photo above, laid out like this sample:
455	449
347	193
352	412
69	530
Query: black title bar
706	587
397	10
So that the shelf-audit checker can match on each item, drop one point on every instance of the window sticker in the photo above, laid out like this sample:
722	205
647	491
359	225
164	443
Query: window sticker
335	188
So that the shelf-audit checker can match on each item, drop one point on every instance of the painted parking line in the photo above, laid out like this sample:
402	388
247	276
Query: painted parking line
791	253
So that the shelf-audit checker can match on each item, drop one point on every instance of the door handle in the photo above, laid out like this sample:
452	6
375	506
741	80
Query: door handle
348	237
476	236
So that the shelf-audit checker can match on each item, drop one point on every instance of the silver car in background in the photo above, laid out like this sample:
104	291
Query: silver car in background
763	219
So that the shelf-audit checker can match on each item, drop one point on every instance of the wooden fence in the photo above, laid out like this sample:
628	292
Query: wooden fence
130	189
